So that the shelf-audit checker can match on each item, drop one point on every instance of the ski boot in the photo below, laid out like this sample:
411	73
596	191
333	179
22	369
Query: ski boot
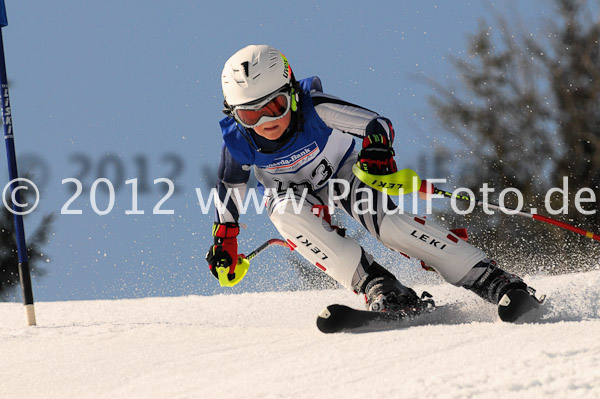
384	293
513	297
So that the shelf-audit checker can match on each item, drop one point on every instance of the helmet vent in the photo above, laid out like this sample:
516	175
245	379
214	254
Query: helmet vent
273	58
245	65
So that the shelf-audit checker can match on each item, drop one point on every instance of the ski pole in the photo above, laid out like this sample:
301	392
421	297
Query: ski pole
24	273
243	263
407	181
529	215
262	247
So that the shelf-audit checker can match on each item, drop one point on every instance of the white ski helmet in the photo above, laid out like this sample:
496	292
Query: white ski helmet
253	73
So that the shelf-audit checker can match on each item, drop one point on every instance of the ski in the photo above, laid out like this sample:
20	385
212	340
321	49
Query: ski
340	318
515	306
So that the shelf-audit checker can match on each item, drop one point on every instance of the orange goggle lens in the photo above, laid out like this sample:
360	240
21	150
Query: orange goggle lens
274	108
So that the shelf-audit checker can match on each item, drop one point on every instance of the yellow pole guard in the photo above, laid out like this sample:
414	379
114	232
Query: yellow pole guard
404	181
240	271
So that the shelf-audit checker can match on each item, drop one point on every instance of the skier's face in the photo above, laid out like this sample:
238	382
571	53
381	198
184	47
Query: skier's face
274	129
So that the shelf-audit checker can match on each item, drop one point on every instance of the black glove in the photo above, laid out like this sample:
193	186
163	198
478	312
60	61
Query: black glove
377	155
223	253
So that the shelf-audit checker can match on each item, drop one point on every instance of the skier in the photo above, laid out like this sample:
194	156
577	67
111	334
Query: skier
295	136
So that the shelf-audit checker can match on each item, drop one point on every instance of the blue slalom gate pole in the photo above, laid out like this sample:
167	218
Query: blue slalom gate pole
24	272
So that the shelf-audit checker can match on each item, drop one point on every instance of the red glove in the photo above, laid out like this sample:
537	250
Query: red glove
224	251
377	155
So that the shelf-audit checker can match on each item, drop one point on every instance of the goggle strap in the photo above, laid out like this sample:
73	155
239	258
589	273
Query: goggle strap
293	99
227	109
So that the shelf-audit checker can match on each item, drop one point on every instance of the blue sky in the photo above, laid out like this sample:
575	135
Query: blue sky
131	89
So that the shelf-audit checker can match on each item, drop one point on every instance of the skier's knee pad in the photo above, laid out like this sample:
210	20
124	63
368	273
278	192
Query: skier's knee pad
316	240
431	243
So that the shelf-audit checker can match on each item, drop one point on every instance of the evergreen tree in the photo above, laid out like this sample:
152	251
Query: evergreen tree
526	115
9	260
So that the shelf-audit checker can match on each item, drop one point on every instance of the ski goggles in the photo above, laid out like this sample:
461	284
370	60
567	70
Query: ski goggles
274	107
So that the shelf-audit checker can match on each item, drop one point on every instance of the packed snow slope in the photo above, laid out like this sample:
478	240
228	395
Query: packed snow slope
266	345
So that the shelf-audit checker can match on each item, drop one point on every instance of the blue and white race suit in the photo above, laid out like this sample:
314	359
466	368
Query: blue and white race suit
322	151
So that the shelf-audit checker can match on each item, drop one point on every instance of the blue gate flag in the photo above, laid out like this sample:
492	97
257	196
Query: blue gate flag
3	20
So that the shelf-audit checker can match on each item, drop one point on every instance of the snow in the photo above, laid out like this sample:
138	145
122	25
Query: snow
266	345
